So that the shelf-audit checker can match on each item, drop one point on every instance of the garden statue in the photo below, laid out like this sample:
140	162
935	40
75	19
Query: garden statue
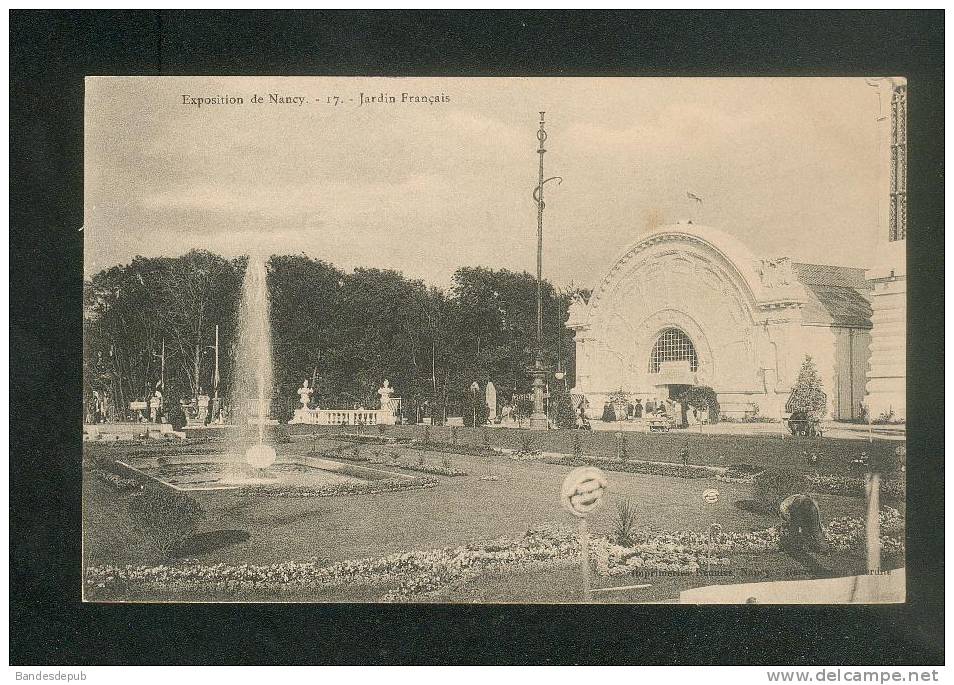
801	523
304	394
491	402
204	401
156	406
385	392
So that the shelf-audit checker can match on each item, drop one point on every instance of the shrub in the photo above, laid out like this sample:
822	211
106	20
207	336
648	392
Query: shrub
485	438
522	407
609	415
166	518
577	446
426	439
454	435
562	412
621	449
526	442
475	410
420	459
703	398
281	435
625	522
776	483
808	395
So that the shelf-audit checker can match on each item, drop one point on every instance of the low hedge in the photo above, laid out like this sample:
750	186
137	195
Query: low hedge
775	483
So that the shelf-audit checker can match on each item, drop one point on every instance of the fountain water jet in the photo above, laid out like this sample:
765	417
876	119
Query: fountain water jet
252	376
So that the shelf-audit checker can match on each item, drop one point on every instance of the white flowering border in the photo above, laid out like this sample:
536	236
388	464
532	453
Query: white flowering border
428	573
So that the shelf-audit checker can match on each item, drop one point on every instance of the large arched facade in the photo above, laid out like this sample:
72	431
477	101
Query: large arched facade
714	314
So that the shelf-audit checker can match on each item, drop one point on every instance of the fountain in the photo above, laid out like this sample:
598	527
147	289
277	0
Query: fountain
252	376
251	400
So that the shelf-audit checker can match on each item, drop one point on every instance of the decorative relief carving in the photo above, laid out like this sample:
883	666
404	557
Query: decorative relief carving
776	273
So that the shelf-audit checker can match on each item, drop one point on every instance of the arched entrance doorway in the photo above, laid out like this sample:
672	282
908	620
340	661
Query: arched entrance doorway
673	363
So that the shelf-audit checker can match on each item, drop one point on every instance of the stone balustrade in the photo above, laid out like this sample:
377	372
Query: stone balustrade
344	417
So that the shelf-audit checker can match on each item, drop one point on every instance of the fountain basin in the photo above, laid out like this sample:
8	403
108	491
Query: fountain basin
194	472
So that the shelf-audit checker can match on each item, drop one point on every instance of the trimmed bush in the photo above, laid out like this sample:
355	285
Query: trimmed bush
703	398
562	412
609	415
527	443
166	518
776	483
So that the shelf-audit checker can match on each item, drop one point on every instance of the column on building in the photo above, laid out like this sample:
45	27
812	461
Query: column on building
886	387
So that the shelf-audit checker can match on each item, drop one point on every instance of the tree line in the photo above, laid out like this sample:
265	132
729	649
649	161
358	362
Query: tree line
154	320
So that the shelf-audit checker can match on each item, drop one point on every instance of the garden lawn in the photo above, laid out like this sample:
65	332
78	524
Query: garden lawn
459	510
834	454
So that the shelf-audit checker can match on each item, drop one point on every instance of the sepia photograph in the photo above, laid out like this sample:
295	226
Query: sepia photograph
494	340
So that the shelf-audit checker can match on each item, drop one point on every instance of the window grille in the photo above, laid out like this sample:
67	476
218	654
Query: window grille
898	209
673	345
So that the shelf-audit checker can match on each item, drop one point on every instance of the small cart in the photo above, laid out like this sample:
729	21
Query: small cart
659	424
803	423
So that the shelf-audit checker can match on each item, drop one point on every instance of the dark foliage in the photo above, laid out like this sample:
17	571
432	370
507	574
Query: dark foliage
776	483
165	517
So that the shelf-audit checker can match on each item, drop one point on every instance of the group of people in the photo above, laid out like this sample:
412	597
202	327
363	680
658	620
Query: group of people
682	413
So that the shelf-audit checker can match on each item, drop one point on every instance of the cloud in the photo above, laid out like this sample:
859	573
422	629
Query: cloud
787	165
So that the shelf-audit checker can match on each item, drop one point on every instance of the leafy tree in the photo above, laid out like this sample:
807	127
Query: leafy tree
304	294
808	395
348	330
703	398
134	312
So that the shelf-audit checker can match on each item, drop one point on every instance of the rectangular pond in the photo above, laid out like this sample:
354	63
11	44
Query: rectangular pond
222	472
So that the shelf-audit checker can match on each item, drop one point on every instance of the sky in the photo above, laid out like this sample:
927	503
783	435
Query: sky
787	166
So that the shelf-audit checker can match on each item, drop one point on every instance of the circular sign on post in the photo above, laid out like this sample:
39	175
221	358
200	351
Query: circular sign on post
583	490
711	496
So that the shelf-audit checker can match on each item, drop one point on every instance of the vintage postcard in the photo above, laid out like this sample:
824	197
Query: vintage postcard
501	340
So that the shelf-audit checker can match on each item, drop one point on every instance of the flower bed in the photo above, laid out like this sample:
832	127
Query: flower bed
524	455
400	576
337	489
451	448
436	470
394	461
635	466
892	490
368	438
428	573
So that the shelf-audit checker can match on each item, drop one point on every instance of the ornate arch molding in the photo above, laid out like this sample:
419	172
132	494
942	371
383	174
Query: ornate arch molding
730	255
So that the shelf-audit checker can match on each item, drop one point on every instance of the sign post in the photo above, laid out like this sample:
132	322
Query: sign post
873	522
711	496
582	492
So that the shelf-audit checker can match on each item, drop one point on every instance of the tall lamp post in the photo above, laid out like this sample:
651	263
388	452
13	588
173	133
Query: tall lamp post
538	419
